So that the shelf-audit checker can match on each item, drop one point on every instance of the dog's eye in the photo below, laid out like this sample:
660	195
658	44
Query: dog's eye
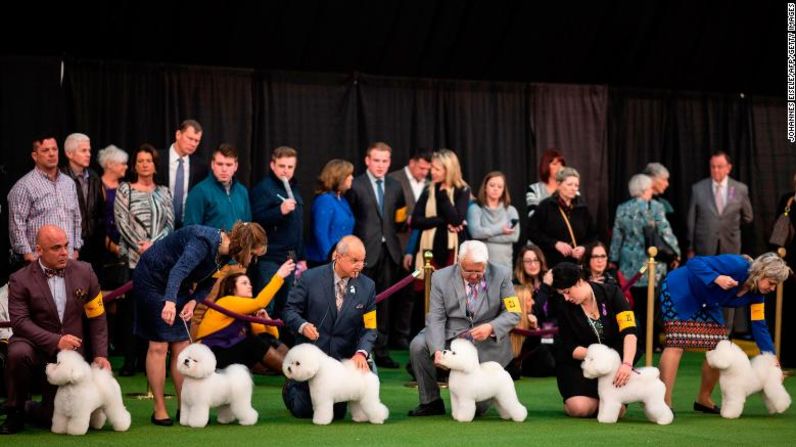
298	363
453	352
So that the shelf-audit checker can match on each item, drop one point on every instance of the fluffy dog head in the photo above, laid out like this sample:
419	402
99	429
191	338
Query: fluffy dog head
600	360
302	362
462	356
196	361
724	355
70	368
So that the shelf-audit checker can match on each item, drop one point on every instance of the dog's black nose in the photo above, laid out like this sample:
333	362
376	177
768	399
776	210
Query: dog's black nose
288	369
186	362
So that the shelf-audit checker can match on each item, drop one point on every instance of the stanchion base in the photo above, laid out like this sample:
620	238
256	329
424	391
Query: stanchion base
413	384
145	396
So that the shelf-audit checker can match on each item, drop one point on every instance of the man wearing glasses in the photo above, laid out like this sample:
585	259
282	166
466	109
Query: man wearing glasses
473	299
334	307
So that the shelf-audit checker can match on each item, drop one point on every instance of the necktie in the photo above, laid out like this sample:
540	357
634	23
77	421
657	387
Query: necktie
719	199
380	191
472	296
179	185
340	294
53	272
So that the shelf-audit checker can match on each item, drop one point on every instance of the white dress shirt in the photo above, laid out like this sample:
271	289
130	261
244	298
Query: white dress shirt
186	165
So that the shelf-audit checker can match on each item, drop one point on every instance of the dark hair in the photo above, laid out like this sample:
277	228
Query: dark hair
519	266
587	254
190	123
283	152
39	138
333	175
226	150
421	153
227	286
149	149
722	154
505	198
243	239
548	157
566	275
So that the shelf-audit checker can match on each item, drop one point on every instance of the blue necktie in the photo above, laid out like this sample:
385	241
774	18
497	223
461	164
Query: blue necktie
179	185
380	191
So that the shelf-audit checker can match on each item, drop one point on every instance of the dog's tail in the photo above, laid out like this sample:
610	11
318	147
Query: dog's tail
240	379
648	372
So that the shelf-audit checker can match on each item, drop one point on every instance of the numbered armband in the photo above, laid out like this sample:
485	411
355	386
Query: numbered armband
758	312
369	319
625	320
512	304
95	307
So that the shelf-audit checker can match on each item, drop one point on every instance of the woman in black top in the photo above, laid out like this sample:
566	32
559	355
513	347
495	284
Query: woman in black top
589	313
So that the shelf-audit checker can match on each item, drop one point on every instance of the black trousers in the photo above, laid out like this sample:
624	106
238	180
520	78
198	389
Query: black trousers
383	273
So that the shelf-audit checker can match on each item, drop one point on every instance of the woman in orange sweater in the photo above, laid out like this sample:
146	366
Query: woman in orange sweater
237	341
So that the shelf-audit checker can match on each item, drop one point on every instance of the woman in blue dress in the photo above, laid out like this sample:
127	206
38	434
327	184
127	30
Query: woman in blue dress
170	277
331	215
692	298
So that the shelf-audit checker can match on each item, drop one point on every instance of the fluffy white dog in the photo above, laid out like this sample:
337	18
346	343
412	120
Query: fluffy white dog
740	378
229	389
601	363
86	396
470	382
332	381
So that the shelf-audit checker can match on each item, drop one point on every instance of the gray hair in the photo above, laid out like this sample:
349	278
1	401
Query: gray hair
768	266
73	140
638	184
656	170
566	172
111	154
473	251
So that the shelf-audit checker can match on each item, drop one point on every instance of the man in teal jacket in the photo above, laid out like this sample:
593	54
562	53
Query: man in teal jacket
219	200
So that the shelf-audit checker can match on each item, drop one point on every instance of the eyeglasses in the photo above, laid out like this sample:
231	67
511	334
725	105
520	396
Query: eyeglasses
531	261
355	262
599	256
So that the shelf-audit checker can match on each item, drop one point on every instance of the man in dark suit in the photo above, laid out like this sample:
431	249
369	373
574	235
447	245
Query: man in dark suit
413	178
181	165
718	207
374	200
334	307
52	302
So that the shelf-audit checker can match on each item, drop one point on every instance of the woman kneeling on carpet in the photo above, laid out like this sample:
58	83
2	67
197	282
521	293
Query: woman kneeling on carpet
589	313
237	341
692	298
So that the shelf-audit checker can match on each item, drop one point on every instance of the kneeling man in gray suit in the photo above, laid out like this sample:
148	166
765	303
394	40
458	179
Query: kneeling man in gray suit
473	299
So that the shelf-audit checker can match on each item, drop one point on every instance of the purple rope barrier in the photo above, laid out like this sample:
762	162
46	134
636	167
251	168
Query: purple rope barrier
635	278
397	286
112	295
536	333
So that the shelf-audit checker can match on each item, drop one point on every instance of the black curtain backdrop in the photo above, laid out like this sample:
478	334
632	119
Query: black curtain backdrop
608	134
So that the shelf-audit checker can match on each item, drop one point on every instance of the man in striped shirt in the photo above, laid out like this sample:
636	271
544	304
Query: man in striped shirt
43	196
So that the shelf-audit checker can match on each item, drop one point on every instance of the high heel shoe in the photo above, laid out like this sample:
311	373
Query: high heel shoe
167	422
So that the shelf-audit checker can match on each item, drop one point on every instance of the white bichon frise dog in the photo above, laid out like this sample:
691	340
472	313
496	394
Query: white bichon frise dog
739	378
644	386
470	382
229	389
86	396
332	381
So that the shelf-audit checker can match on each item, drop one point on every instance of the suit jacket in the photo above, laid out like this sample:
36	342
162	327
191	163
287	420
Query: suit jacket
370	225
196	173
447	316
34	317
709	232
409	200
341	333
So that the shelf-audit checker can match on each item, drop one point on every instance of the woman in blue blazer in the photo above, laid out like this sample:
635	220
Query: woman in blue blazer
331	215
692	298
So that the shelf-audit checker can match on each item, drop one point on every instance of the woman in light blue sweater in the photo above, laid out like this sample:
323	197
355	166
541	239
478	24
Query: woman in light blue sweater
493	220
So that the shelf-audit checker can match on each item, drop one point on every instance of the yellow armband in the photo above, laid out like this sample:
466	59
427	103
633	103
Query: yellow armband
369	319
512	304
95	307
758	311
625	320
400	215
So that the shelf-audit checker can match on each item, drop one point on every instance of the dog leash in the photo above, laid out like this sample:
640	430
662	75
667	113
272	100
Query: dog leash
188	331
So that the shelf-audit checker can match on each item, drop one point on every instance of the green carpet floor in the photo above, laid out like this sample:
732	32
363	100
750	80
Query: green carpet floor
546	423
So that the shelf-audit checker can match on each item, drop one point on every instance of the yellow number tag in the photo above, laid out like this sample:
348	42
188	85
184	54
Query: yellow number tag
95	307
369	319
400	215
512	304
625	320
758	311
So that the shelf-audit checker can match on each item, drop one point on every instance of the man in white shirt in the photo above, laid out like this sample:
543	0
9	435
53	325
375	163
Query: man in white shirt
181	165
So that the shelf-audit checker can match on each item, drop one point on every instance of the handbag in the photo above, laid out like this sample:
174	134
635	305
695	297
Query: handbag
666	253
783	231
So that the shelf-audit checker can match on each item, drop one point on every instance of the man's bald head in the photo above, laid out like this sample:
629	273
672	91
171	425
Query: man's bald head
52	246
349	257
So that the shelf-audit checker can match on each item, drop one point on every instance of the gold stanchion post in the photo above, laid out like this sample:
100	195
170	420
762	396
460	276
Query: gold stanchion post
427	271
652	251
778	315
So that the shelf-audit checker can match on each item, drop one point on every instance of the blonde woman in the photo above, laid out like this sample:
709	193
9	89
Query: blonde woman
441	211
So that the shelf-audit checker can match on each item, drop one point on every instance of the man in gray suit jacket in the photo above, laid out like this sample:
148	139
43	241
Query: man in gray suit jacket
719	205
473	299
